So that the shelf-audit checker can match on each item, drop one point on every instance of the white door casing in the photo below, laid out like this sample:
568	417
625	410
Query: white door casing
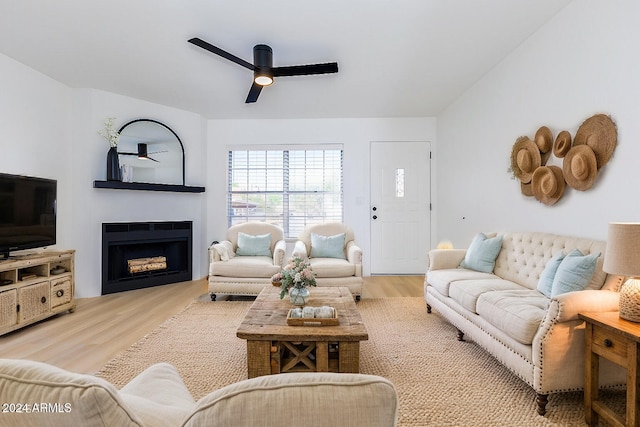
400	213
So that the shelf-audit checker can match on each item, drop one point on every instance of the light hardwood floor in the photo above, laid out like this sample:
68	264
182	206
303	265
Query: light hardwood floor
102	327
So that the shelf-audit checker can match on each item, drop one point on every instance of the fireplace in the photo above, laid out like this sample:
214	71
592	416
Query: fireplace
163	249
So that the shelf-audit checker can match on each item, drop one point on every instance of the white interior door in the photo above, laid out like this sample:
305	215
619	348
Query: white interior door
400	214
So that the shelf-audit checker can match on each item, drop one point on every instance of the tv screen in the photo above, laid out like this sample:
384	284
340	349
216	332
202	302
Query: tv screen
27	213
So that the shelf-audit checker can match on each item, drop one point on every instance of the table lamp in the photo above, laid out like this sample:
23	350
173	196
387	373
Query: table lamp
622	258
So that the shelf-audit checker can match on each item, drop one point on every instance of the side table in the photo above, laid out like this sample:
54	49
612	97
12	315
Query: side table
617	340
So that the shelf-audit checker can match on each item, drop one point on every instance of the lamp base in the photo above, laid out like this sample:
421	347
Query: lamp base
630	300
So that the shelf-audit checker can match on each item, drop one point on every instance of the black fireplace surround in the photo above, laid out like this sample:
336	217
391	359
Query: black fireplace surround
133	240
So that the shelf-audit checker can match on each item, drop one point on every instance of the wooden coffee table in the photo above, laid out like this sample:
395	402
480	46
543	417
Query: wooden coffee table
274	347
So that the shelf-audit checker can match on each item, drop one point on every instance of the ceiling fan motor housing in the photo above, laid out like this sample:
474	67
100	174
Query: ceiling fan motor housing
262	61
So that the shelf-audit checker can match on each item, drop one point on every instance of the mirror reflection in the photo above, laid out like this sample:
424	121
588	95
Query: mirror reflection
150	152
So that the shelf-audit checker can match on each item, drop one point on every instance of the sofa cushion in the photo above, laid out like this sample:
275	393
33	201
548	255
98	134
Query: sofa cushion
441	279
305	399
574	272
545	283
250	245
467	292
332	267
327	246
517	313
245	266
482	253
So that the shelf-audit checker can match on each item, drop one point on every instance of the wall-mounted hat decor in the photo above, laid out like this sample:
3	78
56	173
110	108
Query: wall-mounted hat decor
593	145
562	145
548	184
525	158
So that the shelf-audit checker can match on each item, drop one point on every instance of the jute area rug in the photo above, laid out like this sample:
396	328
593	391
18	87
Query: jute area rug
440	381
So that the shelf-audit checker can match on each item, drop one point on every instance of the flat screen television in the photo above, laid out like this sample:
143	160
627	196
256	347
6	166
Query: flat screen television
27	213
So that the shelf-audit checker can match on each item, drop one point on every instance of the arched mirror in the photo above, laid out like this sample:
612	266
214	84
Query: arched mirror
150	152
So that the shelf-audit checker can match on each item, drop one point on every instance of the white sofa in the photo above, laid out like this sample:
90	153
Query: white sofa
232	274
157	397
343	267
539	338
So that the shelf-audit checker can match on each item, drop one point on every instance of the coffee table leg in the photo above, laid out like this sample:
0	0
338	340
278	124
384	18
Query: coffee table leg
258	358
322	356
349	356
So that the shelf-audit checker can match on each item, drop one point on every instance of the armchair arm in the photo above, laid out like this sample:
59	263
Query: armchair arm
441	259
278	253
300	250
354	253
221	251
571	303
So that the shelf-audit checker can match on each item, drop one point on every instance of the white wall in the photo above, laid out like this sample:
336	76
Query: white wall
93	207
35	133
355	135
583	62
50	130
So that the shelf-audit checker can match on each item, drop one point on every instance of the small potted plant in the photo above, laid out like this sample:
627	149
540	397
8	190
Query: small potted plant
294	278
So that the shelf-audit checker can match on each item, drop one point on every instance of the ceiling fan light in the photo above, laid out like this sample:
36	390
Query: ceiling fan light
263	79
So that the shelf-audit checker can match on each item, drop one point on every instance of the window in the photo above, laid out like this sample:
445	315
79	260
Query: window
291	187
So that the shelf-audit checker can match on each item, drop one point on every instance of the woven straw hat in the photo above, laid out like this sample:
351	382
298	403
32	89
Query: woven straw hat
548	184
600	133
544	139
525	158
562	144
580	167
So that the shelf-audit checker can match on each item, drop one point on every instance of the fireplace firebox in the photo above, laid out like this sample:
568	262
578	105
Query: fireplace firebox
124	244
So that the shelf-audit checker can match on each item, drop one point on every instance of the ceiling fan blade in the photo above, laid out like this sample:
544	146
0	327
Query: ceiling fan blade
127	154
211	48
254	92
304	70
149	158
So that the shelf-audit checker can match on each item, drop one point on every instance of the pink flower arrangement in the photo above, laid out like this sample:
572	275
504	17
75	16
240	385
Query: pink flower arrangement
297	273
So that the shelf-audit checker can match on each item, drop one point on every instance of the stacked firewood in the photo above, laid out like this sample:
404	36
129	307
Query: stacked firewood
140	265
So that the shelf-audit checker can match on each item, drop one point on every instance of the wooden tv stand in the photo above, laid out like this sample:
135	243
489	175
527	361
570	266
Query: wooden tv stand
34	287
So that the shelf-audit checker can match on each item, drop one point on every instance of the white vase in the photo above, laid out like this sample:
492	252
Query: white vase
299	296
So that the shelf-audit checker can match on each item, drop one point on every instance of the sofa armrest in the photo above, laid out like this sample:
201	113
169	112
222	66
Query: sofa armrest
214	255
300	250
441	259
354	253
278	253
572	303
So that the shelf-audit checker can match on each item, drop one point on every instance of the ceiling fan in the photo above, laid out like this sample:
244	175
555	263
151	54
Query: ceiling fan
262	67
143	152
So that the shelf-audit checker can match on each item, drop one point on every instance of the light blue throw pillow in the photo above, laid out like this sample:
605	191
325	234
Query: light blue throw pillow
327	246
574	272
249	245
482	253
545	283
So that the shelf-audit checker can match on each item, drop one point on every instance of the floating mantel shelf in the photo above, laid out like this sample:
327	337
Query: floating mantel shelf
119	185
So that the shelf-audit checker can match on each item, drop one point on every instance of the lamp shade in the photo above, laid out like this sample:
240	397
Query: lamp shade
622	256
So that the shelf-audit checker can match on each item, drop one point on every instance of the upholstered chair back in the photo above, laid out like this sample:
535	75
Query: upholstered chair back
328	229
255	228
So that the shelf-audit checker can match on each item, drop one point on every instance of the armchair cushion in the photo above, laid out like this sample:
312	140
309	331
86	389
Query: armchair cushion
323	399
327	246
249	245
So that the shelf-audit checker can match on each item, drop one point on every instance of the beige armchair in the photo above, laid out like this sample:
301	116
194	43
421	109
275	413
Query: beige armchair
158	397
334	255
244	263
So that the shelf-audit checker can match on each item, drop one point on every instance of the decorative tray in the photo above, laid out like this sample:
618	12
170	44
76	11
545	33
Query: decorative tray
295	319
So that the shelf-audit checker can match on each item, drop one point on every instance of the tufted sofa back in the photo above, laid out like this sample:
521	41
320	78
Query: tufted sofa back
524	255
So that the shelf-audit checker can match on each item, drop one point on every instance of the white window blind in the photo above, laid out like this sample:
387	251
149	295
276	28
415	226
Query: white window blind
289	187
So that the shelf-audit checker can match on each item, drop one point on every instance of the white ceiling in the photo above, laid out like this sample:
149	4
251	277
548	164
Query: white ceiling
397	58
